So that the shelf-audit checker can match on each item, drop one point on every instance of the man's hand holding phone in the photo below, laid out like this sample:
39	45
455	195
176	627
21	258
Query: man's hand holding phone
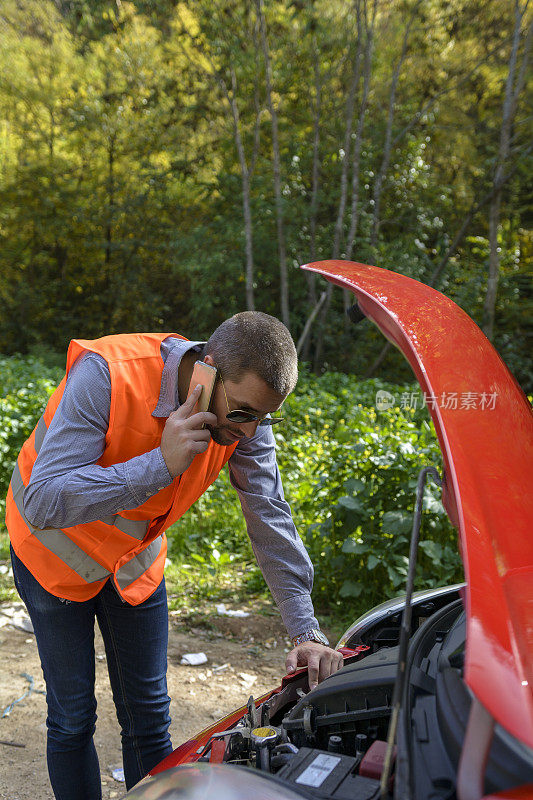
184	435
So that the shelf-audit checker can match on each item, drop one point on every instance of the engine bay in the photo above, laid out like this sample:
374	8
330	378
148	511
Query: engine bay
331	742
320	741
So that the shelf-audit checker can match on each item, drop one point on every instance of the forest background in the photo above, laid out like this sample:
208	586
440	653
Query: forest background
164	165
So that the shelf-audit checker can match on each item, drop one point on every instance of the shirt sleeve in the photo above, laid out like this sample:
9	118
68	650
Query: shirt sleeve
66	486
279	551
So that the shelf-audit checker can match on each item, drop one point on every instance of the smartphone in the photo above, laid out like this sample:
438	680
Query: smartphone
206	375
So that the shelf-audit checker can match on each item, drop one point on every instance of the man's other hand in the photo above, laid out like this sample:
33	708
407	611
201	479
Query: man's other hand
320	661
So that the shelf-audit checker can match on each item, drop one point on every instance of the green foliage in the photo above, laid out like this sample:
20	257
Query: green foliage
212	533
27	385
121	210
349	474
121	200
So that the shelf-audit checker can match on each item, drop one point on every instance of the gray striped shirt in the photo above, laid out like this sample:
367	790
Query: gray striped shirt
67	487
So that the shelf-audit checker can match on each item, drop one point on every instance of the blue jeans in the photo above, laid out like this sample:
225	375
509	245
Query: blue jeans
135	639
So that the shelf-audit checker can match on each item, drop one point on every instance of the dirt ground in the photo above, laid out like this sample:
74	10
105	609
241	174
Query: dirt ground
245	656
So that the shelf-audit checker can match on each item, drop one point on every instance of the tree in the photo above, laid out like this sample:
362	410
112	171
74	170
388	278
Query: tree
280	224
513	88
220	63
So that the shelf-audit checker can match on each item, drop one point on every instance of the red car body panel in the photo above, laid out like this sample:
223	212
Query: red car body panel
520	793
488	472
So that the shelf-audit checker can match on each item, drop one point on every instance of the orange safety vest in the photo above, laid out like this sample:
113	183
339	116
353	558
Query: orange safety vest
75	562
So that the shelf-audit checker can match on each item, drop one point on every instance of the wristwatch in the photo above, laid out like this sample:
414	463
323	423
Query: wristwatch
313	635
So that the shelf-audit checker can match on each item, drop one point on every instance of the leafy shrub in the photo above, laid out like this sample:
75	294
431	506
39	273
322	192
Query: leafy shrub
349	473
27	383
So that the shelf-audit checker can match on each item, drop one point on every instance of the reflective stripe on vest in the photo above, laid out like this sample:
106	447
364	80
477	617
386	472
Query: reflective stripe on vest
40	434
137	528
57	541
133	527
139	564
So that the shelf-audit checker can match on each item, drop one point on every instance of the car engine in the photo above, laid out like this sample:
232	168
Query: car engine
331	742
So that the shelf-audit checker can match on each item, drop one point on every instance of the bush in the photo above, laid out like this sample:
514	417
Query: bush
349	473
27	385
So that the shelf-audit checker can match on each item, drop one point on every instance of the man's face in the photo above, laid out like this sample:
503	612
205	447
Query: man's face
251	394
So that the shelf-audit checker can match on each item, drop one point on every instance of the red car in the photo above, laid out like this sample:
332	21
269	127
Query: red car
457	703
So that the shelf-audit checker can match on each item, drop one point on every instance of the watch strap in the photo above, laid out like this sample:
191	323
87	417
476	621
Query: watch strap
312	635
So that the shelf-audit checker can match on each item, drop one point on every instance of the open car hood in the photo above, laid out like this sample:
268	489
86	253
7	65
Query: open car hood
488	469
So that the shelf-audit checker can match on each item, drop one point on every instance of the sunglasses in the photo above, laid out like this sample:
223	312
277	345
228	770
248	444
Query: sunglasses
240	415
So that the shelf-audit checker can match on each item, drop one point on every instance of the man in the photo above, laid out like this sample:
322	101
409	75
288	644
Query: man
118	456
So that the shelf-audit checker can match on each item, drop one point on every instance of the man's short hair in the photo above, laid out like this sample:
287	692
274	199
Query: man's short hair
255	342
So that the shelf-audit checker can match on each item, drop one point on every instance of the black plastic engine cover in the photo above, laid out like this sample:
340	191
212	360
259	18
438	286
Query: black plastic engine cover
346	702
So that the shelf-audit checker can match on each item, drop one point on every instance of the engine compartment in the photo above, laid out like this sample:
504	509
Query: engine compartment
331	742
324	741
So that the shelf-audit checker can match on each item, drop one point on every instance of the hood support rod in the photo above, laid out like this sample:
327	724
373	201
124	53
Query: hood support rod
405	630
